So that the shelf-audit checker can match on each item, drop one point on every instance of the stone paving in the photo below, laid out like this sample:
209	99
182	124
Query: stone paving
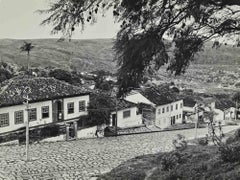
84	159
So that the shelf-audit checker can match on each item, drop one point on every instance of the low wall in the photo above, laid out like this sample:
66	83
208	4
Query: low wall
87	133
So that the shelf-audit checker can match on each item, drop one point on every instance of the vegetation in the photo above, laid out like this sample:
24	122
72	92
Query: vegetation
27	47
100	109
194	162
140	47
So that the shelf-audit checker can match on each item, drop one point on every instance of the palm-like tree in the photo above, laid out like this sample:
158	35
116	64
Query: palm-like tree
27	47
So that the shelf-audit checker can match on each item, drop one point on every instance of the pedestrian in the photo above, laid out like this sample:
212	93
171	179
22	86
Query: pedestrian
96	133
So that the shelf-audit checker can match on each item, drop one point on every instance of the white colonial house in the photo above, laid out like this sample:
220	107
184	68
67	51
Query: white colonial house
50	101
167	109
128	115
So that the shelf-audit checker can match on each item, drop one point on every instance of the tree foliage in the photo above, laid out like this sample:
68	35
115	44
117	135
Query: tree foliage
153	33
99	110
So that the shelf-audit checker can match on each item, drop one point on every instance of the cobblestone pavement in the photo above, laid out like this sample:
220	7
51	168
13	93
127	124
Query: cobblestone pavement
84	159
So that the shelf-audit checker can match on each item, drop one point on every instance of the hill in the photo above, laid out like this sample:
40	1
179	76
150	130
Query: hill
90	55
82	55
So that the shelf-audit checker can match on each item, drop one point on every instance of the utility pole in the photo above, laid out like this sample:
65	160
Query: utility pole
114	93
27	125
196	123
116	117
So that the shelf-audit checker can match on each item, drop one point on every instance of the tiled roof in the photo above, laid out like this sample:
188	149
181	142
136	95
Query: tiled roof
121	104
159	97
224	104
110	102
12	91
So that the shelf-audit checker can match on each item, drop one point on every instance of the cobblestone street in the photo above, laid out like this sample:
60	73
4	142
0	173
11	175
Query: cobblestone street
83	159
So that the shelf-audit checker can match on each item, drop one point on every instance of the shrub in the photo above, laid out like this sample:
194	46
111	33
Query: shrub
169	161
180	142
230	153
203	141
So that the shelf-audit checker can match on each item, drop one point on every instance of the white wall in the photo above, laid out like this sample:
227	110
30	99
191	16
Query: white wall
219	115
12	126
76	113
163	120
133	120
188	109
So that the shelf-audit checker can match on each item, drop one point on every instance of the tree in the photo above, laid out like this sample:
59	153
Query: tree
153	33
100	109
27	47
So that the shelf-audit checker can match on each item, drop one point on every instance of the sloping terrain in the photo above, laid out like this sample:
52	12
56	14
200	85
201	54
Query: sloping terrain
90	55
82	55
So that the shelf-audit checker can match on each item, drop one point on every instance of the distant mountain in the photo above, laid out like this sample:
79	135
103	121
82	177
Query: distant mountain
90	55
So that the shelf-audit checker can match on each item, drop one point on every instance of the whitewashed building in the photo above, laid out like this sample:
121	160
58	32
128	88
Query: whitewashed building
128	115
167	109
50	101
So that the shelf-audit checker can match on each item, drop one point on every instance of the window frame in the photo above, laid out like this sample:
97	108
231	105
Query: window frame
84	106
167	109
128	115
3	121
48	113
16	118
72	108
176	106
29	115
163	110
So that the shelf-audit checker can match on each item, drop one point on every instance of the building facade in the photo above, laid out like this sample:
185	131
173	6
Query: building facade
162	108
60	103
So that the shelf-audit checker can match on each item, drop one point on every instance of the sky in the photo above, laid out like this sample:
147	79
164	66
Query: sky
18	20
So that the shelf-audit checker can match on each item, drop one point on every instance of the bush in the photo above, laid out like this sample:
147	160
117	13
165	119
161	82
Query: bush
203	141
180	142
230	153
169	161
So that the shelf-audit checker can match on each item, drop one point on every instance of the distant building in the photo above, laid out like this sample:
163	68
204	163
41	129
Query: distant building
224	110
50	101
167	109
128	114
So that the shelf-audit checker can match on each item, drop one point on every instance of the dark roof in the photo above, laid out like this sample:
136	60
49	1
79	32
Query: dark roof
121	104
189	102
40	89
224	104
160	97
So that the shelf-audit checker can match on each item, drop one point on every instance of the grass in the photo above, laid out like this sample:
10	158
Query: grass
90	55
195	162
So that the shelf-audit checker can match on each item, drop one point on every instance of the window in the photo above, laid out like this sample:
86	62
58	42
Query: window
4	120
171	107
180	116
176	106
181	105
126	114
176	116
45	112
32	114
18	116
159	111
70	107
167	108
82	106
163	110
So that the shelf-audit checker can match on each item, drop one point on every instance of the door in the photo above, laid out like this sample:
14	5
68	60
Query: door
114	120
57	110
